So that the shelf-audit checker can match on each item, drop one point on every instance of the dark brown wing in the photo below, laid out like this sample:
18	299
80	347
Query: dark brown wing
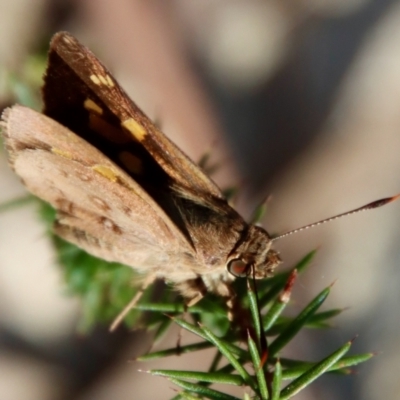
80	92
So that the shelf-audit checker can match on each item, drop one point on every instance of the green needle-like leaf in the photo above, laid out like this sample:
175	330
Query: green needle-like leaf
273	314
255	312
225	350
319	319
351	361
276	381
280	303
200	332
203	390
215	377
294	368
164	308
185	396
313	373
294	327
258	367
175	351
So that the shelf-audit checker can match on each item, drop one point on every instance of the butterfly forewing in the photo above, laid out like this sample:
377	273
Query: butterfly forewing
102	106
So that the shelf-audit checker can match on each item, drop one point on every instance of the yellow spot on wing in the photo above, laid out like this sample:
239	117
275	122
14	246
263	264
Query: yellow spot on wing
105	171
90	105
62	153
110	82
131	163
102	80
95	79
135	128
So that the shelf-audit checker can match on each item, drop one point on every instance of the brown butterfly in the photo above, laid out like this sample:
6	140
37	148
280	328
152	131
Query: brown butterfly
122	190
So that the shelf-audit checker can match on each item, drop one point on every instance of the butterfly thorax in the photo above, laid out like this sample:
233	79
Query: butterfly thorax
250	255
221	239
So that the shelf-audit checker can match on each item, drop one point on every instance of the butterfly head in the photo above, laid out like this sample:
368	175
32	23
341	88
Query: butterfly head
253	255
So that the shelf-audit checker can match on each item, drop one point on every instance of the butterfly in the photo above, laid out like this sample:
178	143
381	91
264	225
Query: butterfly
122	190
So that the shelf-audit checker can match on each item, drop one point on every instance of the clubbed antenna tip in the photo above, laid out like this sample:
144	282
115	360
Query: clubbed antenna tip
369	206
379	203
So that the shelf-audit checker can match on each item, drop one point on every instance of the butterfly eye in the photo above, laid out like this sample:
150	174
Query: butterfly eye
238	268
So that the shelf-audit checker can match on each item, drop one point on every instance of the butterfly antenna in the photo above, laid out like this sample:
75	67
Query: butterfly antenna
369	206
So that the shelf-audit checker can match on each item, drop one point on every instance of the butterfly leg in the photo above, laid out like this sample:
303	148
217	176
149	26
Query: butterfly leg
224	290
148	281
193	290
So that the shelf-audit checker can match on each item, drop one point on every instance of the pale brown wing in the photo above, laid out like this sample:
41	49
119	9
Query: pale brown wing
79	91
100	207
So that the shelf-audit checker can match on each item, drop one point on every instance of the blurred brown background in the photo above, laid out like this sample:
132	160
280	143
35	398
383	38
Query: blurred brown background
298	99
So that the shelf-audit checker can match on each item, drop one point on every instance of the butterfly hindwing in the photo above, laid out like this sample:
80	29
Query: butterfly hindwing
100	207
